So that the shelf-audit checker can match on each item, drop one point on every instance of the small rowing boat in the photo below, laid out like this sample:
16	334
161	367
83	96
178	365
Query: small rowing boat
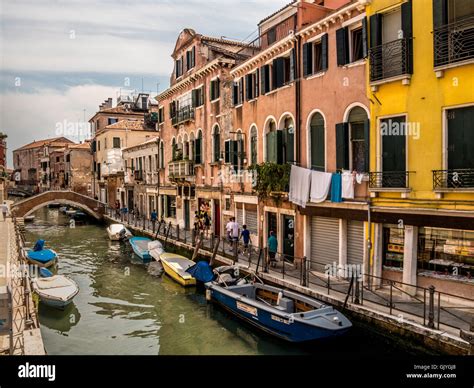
175	267
140	248
40	256
118	232
56	291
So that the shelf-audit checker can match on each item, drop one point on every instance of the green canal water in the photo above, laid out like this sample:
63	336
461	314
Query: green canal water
121	309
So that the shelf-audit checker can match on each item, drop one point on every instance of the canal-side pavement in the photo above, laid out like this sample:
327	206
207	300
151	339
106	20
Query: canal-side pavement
407	326
22	335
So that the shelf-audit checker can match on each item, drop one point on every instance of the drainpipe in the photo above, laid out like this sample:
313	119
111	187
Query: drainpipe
298	100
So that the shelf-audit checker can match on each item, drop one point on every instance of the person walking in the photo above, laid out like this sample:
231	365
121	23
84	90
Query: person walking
245	236
4	207
272	246
153	218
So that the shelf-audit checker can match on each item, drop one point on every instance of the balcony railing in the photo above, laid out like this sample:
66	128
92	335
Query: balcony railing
389	179
181	169
183	115
390	59
454	42
453	179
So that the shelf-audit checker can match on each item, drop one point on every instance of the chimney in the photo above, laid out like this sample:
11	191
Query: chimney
108	102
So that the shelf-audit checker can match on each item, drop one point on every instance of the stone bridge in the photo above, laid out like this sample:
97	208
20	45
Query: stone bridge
89	205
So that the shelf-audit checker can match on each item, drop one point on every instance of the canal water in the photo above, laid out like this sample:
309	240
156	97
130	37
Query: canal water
121	309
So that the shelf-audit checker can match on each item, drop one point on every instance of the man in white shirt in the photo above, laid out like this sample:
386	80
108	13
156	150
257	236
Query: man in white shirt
4	208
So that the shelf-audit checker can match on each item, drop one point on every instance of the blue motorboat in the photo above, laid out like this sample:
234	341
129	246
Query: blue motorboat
40	256
284	314
141	248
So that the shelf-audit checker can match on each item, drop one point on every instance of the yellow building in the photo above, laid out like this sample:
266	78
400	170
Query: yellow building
421	90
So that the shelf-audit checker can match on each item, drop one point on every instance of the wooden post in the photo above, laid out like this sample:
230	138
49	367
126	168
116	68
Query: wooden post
197	247
214	252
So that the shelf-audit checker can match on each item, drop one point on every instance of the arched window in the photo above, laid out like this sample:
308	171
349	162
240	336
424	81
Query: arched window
358	132
253	145
216	142
198	148
271	142
288	140
317	145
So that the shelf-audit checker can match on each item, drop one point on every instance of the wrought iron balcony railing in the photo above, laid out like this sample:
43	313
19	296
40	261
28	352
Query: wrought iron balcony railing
453	179
389	179
390	59
183	115
454	42
181	169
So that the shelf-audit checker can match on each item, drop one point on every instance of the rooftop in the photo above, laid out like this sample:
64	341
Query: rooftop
53	142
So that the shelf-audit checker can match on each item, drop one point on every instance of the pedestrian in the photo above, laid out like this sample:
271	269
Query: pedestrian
207	222
153	217
117	208
4	210
228	228
272	246
245	236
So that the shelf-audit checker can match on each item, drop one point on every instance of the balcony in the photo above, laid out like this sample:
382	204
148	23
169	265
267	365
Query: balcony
181	169
389	181
183	115
452	180
390	60
454	42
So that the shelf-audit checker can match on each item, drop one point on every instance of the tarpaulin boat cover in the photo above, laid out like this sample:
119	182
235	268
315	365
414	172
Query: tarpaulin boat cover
202	272
42	256
39	246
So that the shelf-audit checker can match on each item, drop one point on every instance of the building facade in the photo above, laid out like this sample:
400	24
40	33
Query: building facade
78	168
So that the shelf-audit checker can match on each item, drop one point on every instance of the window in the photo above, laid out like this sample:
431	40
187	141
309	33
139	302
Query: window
216	142
215	89
68	158
170	206
198	97
265	79
393	246
271	36
253	145
357	46
284	70
105	143
280	143
252	85
317	136
234	153
315	56
116	142
179	67
198	148
238	92
352	43
111	120
161	115
460	127
191	58
359	139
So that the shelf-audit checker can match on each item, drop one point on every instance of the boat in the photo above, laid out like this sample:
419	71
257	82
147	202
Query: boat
29	218
156	249
56	291
118	232
140	247
40	256
285	314
175	267
70	212
63	209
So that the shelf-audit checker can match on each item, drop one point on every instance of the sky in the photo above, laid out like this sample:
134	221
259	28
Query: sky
60	59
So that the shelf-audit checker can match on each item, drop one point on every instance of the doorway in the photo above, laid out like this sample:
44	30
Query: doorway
217	218
187	222
272	224
289	237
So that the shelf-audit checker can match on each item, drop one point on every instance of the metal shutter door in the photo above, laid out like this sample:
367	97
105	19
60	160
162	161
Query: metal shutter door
324	241
240	217
251	219
355	242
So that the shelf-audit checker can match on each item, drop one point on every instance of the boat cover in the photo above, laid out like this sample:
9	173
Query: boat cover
42	256
202	272
39	245
45	273
53	282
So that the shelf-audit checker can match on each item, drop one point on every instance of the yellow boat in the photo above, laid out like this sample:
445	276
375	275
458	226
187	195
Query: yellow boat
175	267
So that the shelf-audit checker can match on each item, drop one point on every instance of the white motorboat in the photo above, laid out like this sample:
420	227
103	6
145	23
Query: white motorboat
118	232
155	249
56	291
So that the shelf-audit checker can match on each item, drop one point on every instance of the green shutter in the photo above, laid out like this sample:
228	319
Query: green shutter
289	145
324	52
235	155
227	151
375	30
342	146
263	85
271	147
342	46
317	148
365	38
194	97
293	65
307	59
198	151
280	148
407	27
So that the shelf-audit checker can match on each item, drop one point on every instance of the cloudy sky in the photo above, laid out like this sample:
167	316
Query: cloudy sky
61	58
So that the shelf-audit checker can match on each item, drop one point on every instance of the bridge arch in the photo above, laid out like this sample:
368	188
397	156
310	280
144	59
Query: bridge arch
89	205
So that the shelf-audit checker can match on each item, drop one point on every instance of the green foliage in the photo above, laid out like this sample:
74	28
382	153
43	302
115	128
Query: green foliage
270	178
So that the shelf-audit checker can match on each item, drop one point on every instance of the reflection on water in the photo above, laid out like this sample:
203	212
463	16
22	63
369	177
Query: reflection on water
121	309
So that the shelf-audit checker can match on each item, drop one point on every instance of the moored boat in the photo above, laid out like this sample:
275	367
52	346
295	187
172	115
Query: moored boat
140	248
117	232
40	256
175	266
56	291
29	218
284	314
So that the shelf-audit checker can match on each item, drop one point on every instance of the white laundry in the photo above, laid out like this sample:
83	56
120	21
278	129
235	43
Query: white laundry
359	178
347	185
320	183
300	180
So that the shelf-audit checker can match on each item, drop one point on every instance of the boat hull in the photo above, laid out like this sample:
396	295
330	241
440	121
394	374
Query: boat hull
272	322
189	282
143	254
59	297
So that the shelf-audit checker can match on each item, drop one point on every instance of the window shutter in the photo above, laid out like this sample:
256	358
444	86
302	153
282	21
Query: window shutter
211	94
271	147
307	59
280	147
367	145
342	146
197	151
263	86
375	30
440	13
256	83
235	94
278	72
241	90
407	27
235	155
193	56
241	152
342	46
217	146
324	52
188	60
227	151
289	141
248	86
194	97
293	65
365	38
317	148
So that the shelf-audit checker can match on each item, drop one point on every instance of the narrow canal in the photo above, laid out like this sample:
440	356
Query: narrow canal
121	309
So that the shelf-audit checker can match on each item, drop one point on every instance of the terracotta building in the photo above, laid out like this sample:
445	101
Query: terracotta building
78	168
